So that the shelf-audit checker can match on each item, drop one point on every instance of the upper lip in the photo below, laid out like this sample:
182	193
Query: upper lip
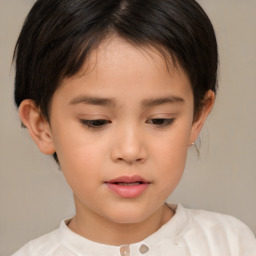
128	179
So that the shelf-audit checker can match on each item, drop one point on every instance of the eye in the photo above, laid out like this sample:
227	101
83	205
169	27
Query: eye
95	124
161	122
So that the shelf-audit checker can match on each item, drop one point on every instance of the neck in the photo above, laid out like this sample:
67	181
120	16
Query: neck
99	229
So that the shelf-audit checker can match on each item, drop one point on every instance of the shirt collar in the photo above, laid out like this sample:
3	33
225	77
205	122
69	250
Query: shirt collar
167	236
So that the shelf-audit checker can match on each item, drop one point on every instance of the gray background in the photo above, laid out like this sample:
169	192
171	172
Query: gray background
34	196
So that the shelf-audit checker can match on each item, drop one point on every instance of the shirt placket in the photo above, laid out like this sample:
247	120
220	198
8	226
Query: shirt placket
125	250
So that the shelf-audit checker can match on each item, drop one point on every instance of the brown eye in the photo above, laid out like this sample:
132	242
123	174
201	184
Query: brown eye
98	123
161	121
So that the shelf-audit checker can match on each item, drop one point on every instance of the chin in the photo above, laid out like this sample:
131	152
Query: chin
127	216
126	220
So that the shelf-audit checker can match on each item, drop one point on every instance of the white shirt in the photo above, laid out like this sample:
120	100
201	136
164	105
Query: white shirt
189	232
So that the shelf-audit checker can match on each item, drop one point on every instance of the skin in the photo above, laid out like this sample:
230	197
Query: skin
129	142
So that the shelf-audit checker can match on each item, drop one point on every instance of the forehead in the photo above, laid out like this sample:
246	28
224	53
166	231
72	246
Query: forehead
115	52
119	65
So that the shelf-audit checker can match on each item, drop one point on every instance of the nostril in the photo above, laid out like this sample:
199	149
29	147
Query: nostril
130	160
129	153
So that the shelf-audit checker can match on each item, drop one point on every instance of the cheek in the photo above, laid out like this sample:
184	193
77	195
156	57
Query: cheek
171	154
172	145
80	159
73	145
172	163
171	167
81	168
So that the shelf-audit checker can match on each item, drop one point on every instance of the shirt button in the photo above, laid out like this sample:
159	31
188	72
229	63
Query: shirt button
144	249
125	250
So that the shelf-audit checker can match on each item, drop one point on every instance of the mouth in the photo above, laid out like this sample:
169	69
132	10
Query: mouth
128	181
128	186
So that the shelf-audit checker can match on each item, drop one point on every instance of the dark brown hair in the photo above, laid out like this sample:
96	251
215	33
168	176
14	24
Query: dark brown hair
59	35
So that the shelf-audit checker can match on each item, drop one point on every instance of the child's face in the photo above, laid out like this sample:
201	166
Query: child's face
144	128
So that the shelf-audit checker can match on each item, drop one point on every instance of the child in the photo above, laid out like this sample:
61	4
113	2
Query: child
117	91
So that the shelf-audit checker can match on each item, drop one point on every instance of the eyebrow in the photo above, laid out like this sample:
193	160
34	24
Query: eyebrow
111	102
93	101
161	101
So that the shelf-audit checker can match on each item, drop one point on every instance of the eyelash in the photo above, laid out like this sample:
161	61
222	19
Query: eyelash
161	122
95	124
101	123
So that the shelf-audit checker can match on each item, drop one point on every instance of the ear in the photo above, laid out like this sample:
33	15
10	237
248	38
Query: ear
208	103
37	125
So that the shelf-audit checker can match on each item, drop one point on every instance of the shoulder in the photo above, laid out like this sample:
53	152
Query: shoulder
214	218
220	230
217	222
47	245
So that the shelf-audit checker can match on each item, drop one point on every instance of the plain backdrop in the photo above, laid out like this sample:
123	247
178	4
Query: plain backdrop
34	196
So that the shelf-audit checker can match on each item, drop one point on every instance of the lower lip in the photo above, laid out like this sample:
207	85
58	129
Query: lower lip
128	191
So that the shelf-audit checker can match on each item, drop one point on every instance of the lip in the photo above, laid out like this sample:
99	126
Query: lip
128	186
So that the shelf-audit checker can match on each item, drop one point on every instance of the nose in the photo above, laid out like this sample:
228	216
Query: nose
129	146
